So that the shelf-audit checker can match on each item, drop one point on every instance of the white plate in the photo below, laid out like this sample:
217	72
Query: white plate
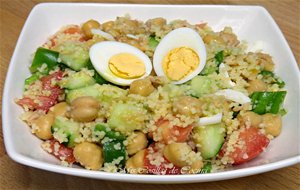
251	23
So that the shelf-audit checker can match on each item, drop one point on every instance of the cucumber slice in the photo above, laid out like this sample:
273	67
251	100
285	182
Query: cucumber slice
202	85
126	118
77	80
104	93
73	54
209	139
65	131
93	91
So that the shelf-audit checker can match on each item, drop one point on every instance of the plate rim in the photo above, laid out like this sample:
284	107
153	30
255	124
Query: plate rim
224	175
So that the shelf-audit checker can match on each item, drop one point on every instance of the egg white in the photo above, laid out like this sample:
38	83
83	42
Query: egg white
181	37
101	52
234	95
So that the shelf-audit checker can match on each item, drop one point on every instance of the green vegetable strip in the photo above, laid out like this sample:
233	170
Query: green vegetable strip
266	73
98	78
62	66
280	83
267	102
44	56
282	112
32	79
112	153
278	99
109	133
114	147
219	57
206	168
276	79
152	41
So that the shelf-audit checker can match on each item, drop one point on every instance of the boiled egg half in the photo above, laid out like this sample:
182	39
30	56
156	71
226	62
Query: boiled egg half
180	55
119	63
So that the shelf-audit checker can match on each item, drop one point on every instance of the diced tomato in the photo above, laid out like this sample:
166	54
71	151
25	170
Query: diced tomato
45	102
62	152
72	30
47	84
250	144
162	169
53	43
47	80
179	134
201	25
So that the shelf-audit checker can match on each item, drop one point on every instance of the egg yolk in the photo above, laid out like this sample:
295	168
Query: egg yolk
127	66
180	62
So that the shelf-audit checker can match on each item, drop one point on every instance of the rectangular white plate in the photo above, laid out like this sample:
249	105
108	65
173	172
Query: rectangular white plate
250	23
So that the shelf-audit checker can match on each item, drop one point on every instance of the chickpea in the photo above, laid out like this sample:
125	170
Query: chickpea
135	164
87	101
256	85
59	109
209	38
196	166
89	155
84	114
42	126
108	25
250	119
265	61
193	169
157	81
131	24
160	22
88	26
229	38
33	116
181	155
142	87
272	124
253	74
173	152
84	109
94	40
137	142
268	66
136	43
187	105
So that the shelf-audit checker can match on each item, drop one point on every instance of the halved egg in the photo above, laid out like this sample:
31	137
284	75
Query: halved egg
119	63
180	55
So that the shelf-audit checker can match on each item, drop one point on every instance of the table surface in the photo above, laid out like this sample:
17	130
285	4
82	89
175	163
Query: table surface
16	176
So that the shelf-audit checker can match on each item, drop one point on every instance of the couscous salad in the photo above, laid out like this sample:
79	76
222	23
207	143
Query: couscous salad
152	97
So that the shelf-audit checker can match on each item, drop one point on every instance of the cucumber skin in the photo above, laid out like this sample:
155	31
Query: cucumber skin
44	56
110	153
109	133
